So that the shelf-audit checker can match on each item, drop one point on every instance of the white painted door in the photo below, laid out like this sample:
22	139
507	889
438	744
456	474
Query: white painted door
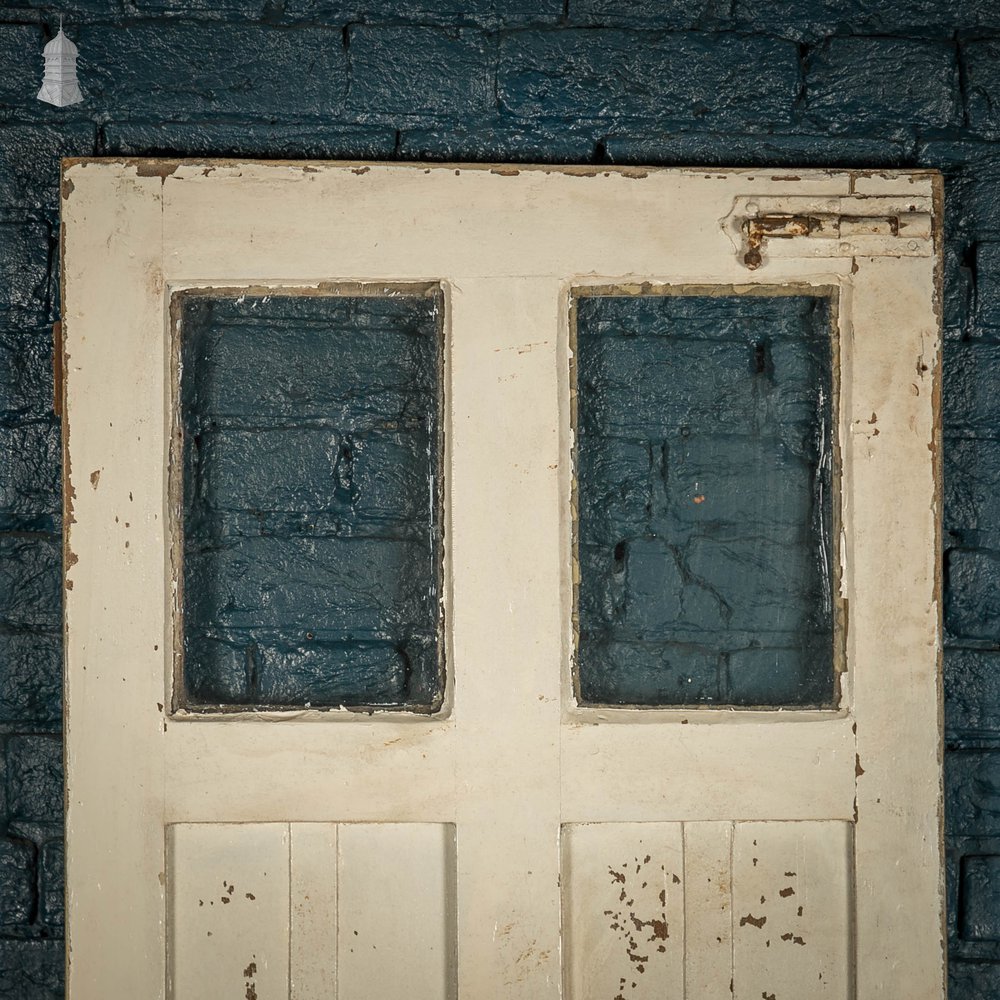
516	844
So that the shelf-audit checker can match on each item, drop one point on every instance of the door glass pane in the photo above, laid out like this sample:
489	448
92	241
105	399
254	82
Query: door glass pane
704	495
310	504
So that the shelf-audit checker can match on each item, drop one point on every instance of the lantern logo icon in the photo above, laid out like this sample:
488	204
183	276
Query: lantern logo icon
59	85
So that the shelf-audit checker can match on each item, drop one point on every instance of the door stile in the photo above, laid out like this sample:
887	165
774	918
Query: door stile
114	517
894	621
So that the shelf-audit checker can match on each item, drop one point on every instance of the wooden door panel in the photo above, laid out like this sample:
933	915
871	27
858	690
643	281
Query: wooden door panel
623	910
312	910
475	849
689	909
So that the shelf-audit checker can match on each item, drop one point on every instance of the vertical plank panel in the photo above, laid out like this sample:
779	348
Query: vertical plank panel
623	911
791	910
396	937
708	910
313	911
228	888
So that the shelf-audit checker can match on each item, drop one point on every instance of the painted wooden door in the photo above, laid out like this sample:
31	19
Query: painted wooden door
520	838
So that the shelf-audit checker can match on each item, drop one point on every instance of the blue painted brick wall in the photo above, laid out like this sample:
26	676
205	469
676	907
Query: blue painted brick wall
704	500
311	454
896	83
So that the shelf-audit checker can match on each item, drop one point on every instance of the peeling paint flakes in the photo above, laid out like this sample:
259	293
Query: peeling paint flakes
625	911
804	906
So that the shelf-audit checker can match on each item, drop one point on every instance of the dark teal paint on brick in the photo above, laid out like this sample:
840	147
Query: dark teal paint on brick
17	878
32	970
703	471
979	917
24	274
248	137
982	61
31	677
280	98
614	74
408	70
876	81
441	13
186	68
30	591
34	786
29	161
311	492
671	147
676	15
815	19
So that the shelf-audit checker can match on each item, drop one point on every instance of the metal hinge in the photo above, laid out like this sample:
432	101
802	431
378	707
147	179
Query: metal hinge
841	226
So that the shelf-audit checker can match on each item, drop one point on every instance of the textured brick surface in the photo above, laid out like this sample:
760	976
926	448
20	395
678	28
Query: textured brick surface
29	161
971	403
972	606
51	875
188	69
812	19
988	285
310	570
24	274
972	189
30	678
973	980
672	148
259	139
34	778
972	792
701	497
30	592
720	81
73	10
25	375
30	484
859	81
707	82
19	75
979	914
500	141
446	13
673	14
414	71
221	9
972	692
972	488
982	70
17	881
32	970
